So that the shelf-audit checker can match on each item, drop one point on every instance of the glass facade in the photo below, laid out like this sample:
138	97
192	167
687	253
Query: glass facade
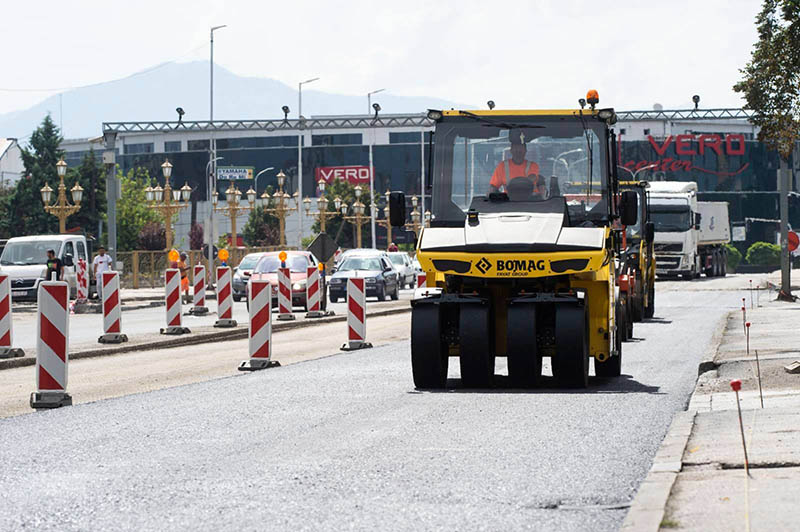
143	147
172	146
344	139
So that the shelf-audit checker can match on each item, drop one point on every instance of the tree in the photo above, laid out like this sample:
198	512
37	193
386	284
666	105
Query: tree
91	176
152	236
771	87
26	215
196	236
261	228
132	210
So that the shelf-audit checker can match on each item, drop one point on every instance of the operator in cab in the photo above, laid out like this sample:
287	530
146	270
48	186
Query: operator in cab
509	171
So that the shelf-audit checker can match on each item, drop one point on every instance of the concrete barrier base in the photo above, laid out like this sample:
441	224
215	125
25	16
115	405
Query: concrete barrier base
198	311
225	323
354	345
174	330
11	352
286	317
113	338
50	399
254	364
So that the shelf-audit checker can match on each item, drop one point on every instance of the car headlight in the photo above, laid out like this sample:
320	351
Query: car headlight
301	285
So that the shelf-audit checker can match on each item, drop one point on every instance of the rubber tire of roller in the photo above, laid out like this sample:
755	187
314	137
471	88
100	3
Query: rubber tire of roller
571	363
524	362
476	357
429	357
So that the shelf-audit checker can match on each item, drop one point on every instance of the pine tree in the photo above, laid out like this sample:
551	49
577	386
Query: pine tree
91	176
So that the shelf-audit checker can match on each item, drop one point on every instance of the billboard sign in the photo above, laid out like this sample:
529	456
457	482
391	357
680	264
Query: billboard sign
355	175
234	173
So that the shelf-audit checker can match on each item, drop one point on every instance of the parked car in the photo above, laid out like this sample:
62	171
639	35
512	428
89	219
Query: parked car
404	267
381	278
241	274
357	251
297	262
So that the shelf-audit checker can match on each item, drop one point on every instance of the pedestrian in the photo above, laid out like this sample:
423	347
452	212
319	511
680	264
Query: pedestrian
184	268
54	266
100	264
393	247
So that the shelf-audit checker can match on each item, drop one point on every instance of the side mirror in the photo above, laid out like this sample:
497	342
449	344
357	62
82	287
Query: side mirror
397	209
68	260
649	232
629	208
697	218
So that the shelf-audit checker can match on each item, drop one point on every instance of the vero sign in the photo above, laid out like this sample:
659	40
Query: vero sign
354	175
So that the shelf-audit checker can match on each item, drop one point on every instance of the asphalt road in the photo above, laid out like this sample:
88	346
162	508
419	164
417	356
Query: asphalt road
345	442
84	329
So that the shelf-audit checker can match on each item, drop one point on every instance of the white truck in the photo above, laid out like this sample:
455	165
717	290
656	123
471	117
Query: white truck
690	235
24	260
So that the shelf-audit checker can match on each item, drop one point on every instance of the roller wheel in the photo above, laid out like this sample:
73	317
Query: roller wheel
477	359
428	351
571	363
524	363
612	367
637	300
629	319
622	322
650	308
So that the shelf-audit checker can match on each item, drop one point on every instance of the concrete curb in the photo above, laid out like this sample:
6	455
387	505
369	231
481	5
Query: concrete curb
238	333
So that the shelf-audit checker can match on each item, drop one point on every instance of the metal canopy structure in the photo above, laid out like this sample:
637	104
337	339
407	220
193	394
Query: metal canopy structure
342	122
685	114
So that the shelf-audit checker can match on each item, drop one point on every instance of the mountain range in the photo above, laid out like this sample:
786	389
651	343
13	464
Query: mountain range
154	94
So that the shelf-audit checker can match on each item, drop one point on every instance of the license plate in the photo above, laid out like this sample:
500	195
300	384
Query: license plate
19	293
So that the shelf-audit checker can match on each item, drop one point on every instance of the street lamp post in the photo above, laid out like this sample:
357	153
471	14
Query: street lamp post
377	107
62	209
416	218
168	201
264	171
636	173
357	218
369	99
300	148
211	168
386	222
281	208
234	208
322	213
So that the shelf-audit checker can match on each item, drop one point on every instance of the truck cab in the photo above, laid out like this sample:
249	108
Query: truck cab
673	209
24	260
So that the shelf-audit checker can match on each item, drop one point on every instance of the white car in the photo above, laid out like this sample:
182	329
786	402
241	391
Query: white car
405	268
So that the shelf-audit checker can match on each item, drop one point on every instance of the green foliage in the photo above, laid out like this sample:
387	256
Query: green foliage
771	83
764	254
132	210
340	230
261	228
91	176
152	236
26	214
734	257
307	240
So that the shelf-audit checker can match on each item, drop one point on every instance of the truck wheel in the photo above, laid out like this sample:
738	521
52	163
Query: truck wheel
622	322
650	308
524	362
428	352
637	301
571	363
477	359
629	318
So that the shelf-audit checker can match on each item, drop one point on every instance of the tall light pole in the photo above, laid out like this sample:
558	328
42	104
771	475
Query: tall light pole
377	107
234	208
357	219
281	206
300	152
168	201
265	170
369	99
212	152
62	209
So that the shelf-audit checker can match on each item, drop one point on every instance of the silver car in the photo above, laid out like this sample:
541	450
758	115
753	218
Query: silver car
405	269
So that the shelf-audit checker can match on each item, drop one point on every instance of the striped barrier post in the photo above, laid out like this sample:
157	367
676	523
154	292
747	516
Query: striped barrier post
6	321
285	294
112	311
172	296
356	316
422	279
199	307
259	296
52	346
313	293
224	299
82	274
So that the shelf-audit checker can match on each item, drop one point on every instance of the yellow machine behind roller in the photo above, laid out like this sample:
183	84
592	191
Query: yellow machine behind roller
520	253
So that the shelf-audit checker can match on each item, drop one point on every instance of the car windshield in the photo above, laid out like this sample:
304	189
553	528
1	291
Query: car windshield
397	259
249	262
671	218
361	263
515	164
24	253
270	264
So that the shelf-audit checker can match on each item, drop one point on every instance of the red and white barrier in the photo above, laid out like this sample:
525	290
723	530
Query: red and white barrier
356	315
260	328
199	291
422	279
6	321
224	298
172	288
313	293
82	275
52	346
112	311
285	294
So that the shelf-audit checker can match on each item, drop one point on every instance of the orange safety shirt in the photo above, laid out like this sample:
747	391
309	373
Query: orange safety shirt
508	170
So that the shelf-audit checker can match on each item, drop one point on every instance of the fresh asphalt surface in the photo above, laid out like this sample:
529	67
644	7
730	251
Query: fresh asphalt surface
346	442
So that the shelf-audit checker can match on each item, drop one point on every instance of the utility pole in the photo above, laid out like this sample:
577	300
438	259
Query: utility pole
300	128
212	158
112	192
784	176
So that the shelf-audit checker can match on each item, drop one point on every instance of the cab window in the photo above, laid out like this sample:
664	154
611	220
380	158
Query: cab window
69	249
81	250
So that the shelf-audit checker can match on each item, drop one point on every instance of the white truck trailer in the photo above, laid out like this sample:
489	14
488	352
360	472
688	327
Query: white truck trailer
690	235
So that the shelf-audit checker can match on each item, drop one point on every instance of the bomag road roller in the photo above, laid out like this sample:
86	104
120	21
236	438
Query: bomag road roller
520	252
637	272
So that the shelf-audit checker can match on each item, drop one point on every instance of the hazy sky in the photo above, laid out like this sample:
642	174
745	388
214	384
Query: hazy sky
534	54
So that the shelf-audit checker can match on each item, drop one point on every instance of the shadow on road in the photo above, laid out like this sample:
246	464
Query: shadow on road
660	321
502	384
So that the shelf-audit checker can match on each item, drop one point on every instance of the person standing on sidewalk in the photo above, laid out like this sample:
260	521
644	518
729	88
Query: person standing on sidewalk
54	266
101	263
184	268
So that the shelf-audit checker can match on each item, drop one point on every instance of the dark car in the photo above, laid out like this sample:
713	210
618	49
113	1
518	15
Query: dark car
297	262
242	273
380	277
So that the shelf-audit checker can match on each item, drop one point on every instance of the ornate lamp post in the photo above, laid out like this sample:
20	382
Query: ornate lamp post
168	201
416	217
62	209
322	213
281	207
233	206
357	218
386	222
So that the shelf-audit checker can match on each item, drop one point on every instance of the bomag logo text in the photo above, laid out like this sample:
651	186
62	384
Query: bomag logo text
519	267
